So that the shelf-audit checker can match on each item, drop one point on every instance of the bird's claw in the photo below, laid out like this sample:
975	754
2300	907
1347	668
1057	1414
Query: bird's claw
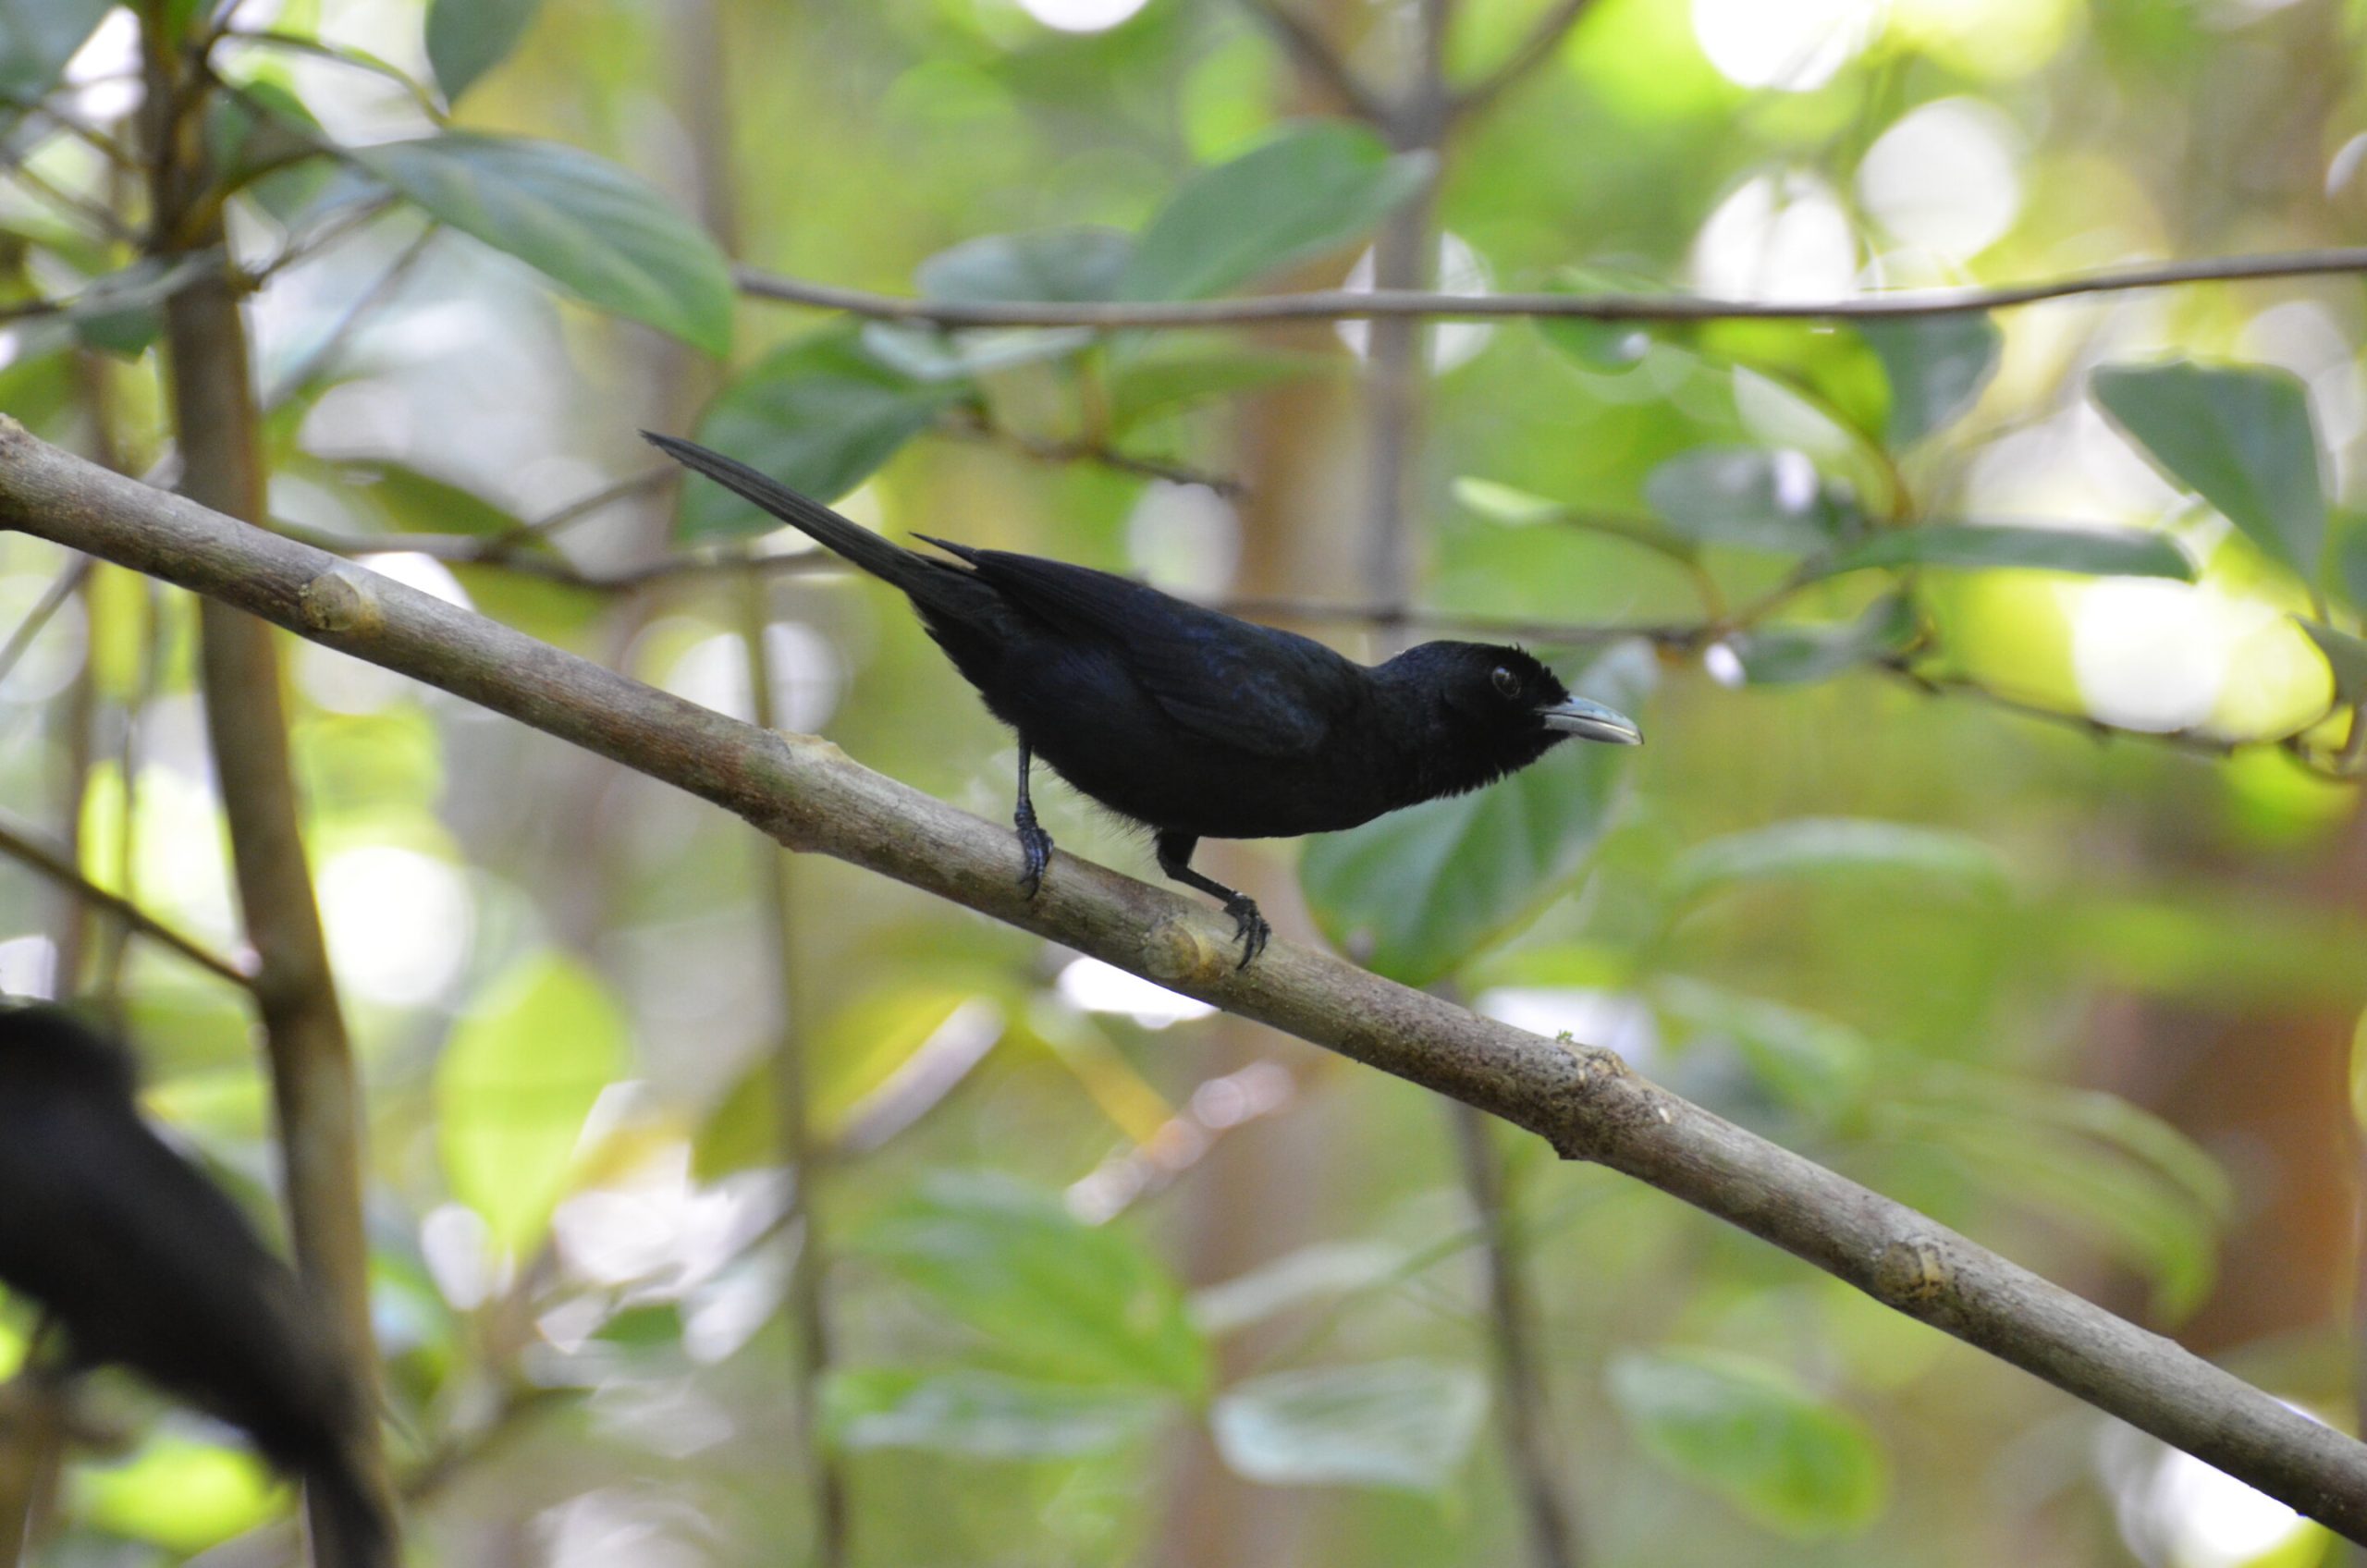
1036	849
1249	927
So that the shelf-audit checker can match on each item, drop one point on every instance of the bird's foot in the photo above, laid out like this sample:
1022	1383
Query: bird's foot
1036	849
1248	926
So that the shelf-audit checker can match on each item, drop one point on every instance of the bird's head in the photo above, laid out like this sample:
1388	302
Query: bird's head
1498	708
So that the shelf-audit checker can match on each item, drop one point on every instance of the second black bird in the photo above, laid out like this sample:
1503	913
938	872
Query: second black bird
146	1263
1191	722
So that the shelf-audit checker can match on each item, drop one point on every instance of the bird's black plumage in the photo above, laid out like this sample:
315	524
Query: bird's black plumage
1190	721
146	1263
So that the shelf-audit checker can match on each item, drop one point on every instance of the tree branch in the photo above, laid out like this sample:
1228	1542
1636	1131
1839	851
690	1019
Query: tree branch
812	797
20	843
1530	54
1342	304
1316	59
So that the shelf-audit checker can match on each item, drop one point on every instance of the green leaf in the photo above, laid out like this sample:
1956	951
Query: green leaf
1790	654
579	220
1312	189
1059	264
1415	894
519	1075
2238	436
467	38
2350	567
982	1414
1054	1297
1746	496
1747	1432
37	38
2346	656
1937	366
1822	847
1811	1064
1601	345
264	141
1148	386
123	312
414	502
2098	552
819	415
180	1495
1407	1425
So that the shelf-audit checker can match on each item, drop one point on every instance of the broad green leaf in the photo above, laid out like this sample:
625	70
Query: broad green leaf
983	1414
1407	1425
123	312
2346	656
581	221
2078	1158
1415	894
1314	1271
1818	847
1148	385
37	38
1836	374
467	38
1811	1064
2350	567
1312	189
2098	552
1065	263
521	1071
180	1495
1749	1432
819	415
2240	436
252	135
1788	655
1054	1297
1937	366
1762	500
420	503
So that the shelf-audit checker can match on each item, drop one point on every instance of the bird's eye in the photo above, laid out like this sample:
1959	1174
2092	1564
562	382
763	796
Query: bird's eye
1506	681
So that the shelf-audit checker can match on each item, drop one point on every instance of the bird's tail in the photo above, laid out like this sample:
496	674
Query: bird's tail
352	1525
881	557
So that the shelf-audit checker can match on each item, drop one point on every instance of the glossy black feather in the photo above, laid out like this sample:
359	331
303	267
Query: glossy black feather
144	1262
1193	722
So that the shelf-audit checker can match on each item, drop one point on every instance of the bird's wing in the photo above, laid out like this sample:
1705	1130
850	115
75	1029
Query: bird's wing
1262	689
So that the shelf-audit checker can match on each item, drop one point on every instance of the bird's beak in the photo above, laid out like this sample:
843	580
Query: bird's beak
1591	721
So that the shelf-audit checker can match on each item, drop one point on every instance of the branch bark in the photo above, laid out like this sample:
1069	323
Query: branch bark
217	426
1584	1101
1343	304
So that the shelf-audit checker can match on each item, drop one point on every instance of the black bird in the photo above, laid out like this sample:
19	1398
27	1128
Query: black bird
1189	721
146	1264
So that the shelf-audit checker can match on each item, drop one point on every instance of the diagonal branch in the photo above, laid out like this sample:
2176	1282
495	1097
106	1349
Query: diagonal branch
1530	53
1344	304
812	797
20	843
1316	59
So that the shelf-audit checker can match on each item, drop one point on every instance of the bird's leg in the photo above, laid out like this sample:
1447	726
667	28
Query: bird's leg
1175	860
1035	844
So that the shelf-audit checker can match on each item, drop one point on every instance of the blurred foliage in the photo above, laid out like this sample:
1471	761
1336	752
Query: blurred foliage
1874	588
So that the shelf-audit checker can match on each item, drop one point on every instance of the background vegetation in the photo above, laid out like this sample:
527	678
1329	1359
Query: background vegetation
1992	843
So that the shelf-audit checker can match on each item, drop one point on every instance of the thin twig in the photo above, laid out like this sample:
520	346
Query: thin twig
382	290
1584	1101
1316	59
20	842
1346	304
1530	53
53	599
1098	454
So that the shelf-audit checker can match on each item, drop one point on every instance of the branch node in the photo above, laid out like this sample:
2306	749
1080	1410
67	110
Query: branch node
1177	951
1914	1276
342	601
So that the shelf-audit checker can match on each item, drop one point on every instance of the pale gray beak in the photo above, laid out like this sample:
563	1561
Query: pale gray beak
1591	721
